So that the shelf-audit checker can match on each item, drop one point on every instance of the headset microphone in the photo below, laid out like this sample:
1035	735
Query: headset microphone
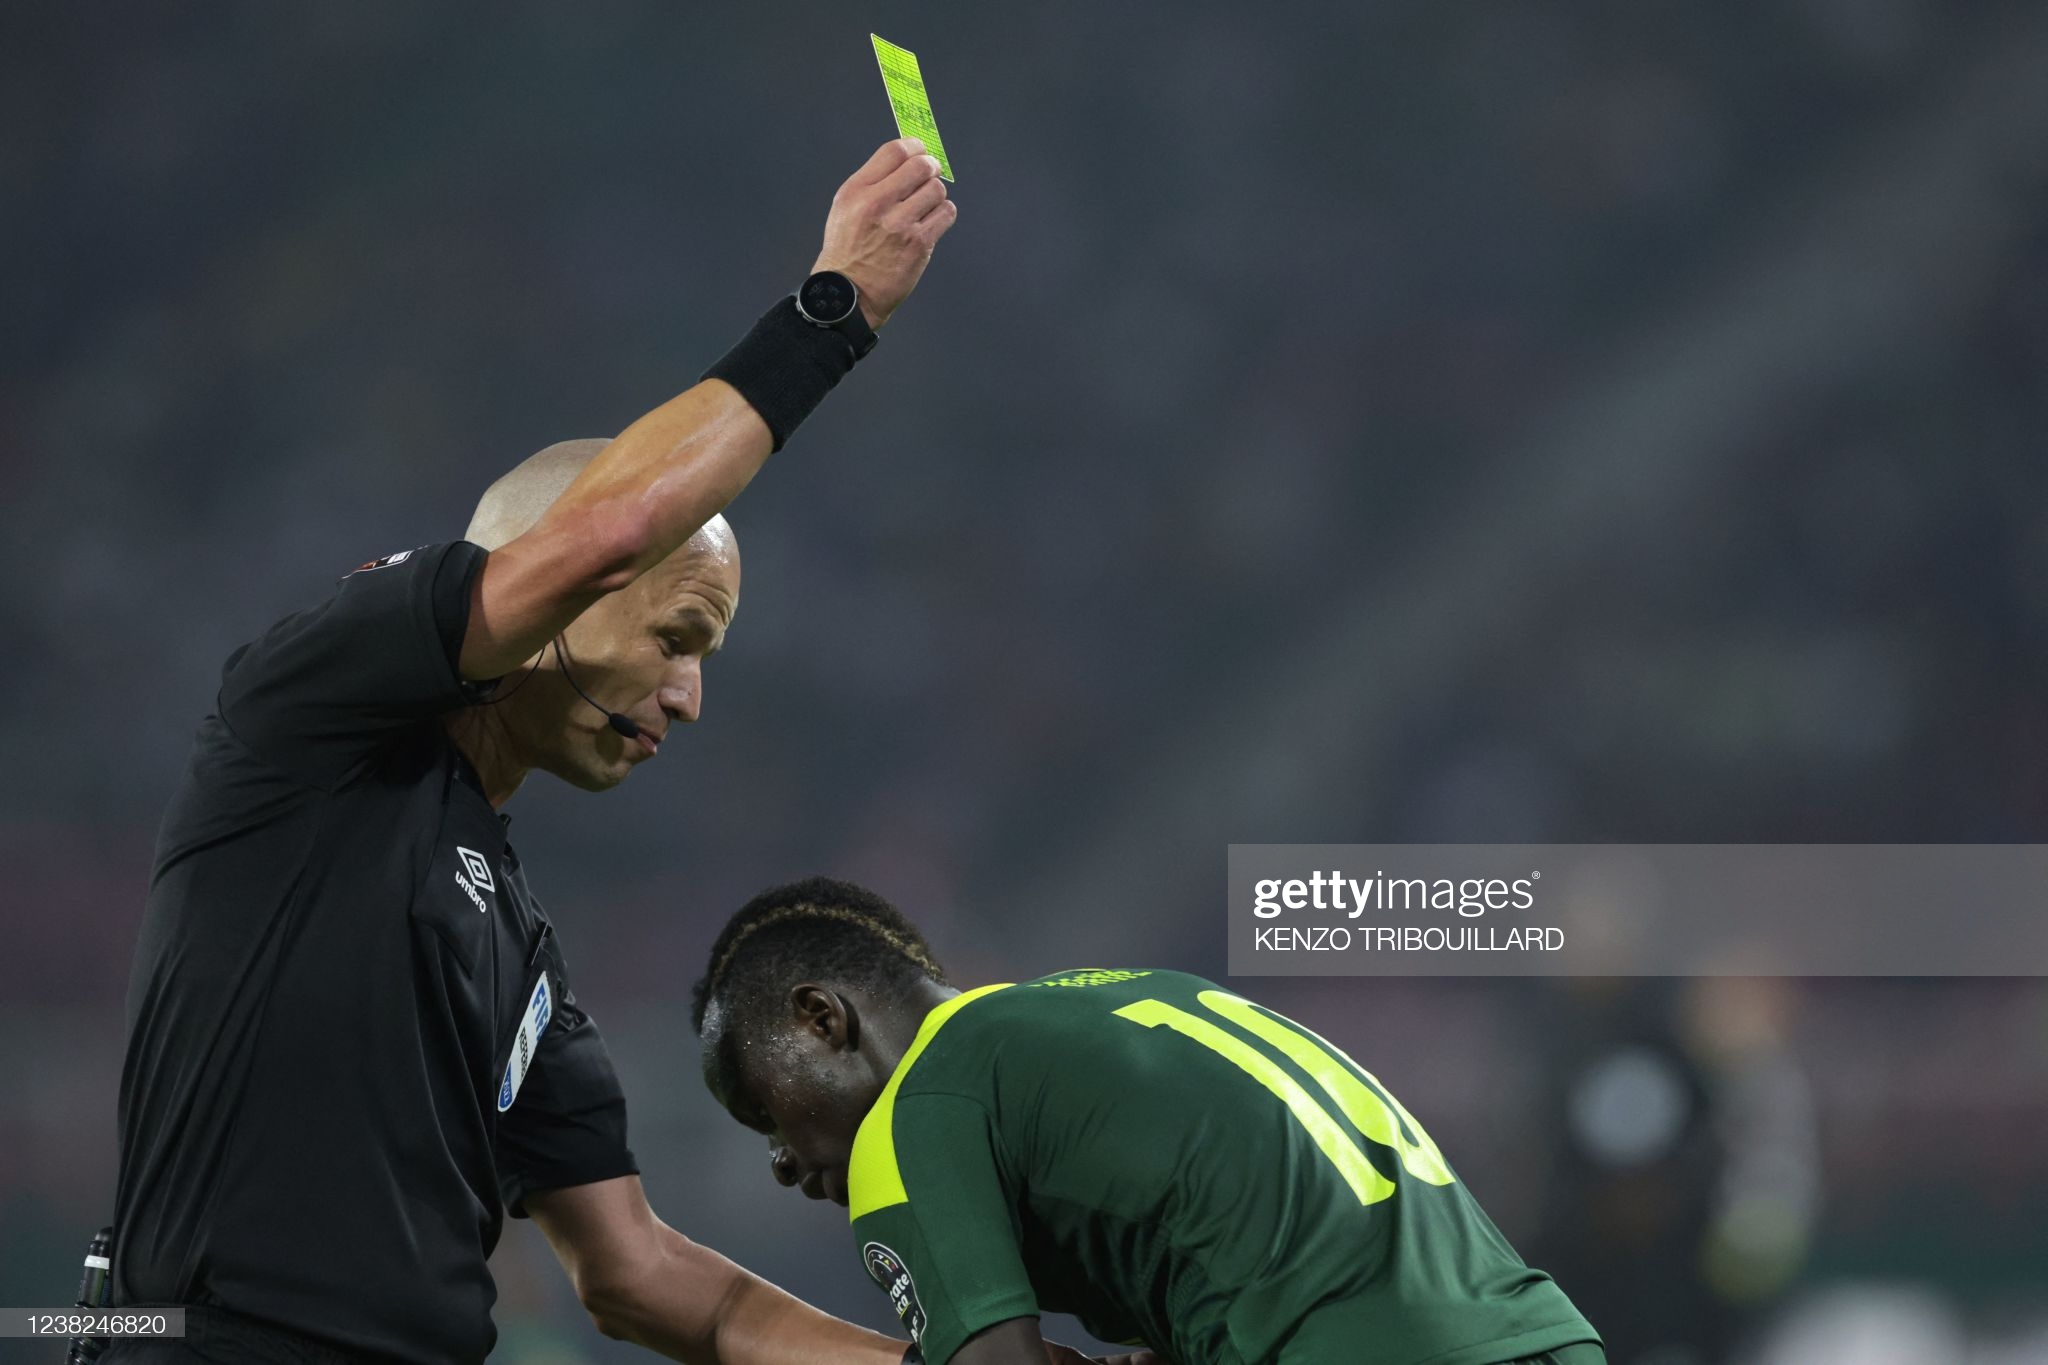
624	725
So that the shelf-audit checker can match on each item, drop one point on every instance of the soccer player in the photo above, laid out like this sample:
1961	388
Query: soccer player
1171	1163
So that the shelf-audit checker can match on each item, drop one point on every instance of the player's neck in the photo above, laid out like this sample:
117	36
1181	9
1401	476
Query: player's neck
480	732
899	1029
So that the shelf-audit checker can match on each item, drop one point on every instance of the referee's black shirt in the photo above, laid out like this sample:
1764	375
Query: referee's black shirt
351	1042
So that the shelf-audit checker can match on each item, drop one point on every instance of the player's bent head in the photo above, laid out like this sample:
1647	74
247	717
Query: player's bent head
811	991
639	652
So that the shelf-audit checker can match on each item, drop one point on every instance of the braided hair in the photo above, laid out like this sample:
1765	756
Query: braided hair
817	929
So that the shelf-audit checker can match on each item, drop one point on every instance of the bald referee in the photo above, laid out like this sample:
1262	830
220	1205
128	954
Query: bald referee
353	1043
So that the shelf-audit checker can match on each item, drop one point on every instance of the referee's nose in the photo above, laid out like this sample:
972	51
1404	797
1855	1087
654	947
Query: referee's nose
682	690
783	1162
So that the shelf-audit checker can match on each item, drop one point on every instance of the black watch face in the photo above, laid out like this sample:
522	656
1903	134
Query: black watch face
827	297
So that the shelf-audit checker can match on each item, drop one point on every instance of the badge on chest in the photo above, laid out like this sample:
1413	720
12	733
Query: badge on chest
539	1009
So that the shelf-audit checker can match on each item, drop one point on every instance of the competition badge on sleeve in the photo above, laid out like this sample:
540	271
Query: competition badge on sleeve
539	1009
913	107
386	562
887	1270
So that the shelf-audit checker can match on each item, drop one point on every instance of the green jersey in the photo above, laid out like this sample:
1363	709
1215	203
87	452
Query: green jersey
1179	1168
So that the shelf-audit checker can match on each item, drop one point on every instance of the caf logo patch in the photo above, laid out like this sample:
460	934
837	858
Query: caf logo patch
886	1269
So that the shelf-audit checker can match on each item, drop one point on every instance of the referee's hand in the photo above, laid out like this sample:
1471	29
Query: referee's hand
885	220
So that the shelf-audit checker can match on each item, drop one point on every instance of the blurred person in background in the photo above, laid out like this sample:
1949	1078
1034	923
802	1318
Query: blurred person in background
1682	1176
352	1044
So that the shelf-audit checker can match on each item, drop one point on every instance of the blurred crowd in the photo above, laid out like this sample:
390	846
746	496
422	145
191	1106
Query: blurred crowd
1325	423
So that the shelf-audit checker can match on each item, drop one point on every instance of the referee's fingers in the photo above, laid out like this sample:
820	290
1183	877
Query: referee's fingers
887	158
921	201
935	224
907	179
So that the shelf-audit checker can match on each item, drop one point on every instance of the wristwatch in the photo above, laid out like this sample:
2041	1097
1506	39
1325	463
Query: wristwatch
831	301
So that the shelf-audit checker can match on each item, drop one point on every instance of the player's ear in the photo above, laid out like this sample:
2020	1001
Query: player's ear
825	1015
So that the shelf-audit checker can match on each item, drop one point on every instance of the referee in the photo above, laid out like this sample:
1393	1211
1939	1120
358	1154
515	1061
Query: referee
353	1045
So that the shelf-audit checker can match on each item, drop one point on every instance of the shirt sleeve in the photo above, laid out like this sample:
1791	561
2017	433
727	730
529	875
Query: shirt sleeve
948	1256
568	1124
315	693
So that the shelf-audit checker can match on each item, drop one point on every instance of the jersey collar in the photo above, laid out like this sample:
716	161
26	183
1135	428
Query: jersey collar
873	1179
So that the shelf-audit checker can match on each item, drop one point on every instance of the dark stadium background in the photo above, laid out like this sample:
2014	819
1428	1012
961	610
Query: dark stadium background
1396	422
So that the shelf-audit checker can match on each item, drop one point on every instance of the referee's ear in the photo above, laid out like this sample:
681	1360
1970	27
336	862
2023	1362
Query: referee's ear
826	1015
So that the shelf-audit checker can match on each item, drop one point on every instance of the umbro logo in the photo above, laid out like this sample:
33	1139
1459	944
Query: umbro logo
478	865
478	869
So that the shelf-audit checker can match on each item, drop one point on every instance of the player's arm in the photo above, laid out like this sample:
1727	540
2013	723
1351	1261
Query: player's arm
672	470
1017	1342
644	1282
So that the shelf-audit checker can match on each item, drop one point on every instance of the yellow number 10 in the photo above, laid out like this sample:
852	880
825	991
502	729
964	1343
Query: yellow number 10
1366	1107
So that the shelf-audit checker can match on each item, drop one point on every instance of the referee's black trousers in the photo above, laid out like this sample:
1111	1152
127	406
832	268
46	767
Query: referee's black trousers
216	1337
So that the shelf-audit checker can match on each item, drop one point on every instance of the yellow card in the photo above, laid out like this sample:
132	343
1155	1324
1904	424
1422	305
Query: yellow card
907	98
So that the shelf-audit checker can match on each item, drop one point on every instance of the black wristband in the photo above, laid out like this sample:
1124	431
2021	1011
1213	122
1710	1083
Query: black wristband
913	1356
785	367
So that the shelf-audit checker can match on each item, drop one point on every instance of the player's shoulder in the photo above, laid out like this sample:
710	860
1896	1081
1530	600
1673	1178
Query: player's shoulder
1038	1023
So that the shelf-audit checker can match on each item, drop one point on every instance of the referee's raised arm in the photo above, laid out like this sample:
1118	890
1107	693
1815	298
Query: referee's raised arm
670	472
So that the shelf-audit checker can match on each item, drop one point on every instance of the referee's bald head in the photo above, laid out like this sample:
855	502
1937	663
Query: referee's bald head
513	505
638	652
